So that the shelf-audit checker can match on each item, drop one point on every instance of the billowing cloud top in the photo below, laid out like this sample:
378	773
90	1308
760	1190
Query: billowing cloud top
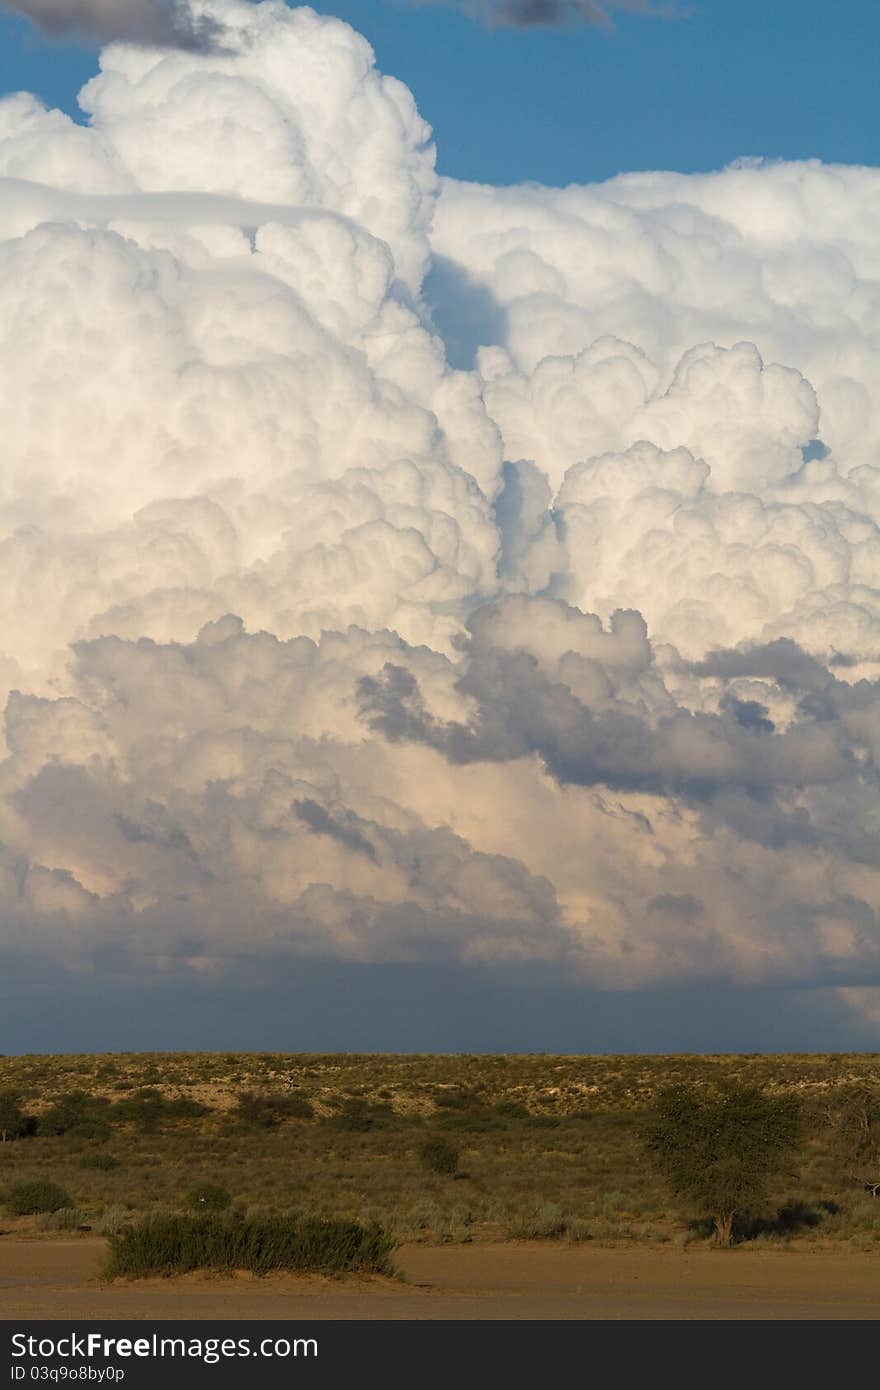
404	570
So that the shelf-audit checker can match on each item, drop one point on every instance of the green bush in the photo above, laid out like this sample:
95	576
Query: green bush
147	1108
207	1196
438	1156
34	1198
174	1244
77	1114
14	1123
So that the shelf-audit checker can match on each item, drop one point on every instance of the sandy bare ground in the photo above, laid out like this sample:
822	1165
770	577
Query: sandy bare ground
58	1279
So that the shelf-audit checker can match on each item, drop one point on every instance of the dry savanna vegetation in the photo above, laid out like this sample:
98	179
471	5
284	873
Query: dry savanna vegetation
423	1148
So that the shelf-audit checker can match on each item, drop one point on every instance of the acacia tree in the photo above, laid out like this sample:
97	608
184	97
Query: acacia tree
719	1148
855	1118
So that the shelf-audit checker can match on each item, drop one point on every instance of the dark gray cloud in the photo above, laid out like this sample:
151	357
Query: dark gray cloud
520	710
749	714
320	822
767	821
555	14
821	697
783	661
682	905
155	828
166	23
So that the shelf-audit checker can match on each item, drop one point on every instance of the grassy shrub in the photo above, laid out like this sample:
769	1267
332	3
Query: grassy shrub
104	1163
255	1111
65	1219
173	1244
183	1108
578	1230
423	1215
297	1108
458	1100
468	1123
864	1216
543	1222
113	1219
34	1198
207	1196
864	1242
438	1156
511	1110
357	1116
607	1231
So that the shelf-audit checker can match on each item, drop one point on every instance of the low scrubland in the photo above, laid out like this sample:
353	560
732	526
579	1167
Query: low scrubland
239	1159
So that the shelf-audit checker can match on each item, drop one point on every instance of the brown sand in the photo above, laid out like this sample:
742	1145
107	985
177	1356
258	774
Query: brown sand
58	1279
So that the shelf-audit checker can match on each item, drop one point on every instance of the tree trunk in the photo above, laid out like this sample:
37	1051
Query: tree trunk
724	1228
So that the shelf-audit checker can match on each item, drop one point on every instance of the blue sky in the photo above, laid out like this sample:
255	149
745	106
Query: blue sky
787	79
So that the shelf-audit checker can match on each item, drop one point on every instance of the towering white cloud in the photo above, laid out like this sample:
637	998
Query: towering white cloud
397	570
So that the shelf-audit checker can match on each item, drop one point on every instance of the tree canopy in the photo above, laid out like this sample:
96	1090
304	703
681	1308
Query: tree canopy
721	1147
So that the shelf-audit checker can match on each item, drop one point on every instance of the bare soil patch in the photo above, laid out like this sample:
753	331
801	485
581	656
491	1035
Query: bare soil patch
59	1279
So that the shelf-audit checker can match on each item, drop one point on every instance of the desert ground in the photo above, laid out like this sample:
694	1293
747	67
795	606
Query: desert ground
59	1279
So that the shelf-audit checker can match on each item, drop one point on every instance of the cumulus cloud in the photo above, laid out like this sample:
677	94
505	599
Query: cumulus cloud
167	23
398	570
